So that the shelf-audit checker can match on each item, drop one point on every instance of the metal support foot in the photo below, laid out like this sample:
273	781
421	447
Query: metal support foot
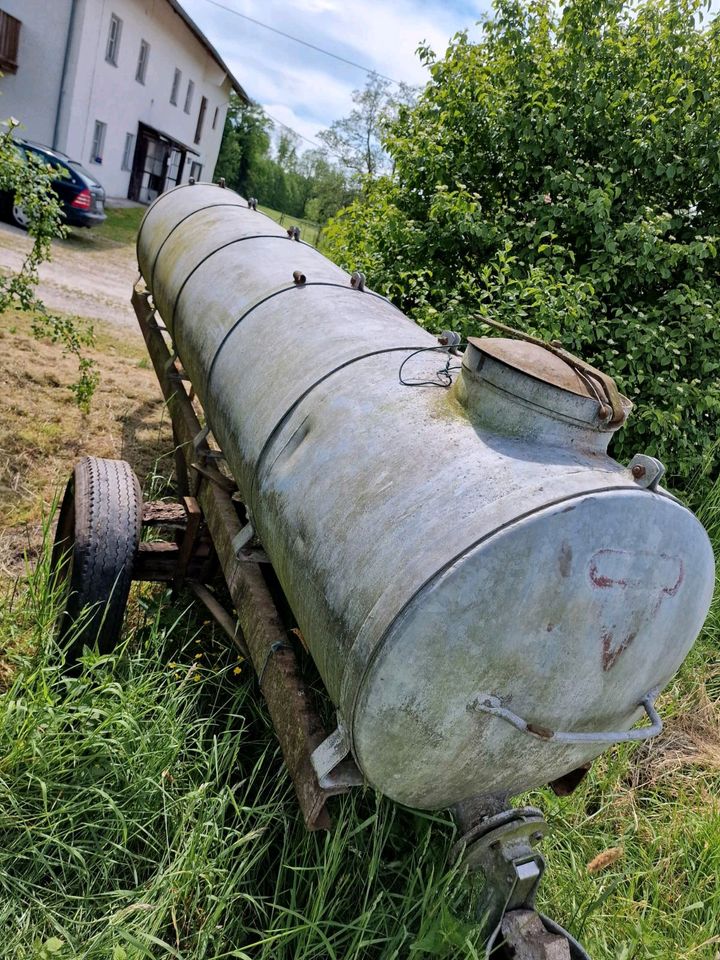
503	847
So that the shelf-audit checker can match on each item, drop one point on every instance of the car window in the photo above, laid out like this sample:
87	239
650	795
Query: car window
61	171
77	166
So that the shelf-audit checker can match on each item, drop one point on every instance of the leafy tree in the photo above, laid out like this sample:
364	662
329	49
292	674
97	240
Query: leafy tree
246	139
356	140
563	176
305	184
328	189
30	182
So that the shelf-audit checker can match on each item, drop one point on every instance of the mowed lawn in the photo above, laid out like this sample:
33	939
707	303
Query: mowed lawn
122	224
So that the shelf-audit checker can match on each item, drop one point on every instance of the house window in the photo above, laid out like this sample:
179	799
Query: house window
9	40
195	170
128	152
201	119
142	61
113	42
215	116
98	144
189	96
175	87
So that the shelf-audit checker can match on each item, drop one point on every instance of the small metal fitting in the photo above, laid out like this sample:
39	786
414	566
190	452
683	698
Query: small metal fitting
299	278
357	281
646	471
221	183
191	181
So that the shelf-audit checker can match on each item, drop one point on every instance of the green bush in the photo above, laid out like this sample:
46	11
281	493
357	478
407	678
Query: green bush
30	182
561	176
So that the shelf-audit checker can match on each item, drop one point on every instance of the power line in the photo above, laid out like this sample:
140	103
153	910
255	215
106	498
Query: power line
305	43
281	124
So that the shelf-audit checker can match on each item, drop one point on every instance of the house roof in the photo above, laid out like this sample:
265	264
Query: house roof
194	28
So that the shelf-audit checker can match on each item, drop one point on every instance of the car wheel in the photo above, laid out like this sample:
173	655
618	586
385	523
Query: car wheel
19	216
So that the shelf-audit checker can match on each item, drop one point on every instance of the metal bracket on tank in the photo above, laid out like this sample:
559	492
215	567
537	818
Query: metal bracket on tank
201	448
330	763
647	471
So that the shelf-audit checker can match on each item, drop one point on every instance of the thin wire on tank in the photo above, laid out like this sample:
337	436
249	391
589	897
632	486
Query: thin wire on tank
444	374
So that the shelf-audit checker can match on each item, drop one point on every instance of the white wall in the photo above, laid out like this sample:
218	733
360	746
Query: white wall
32	93
111	94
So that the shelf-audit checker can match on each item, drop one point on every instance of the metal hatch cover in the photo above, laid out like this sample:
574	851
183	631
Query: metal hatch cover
535	361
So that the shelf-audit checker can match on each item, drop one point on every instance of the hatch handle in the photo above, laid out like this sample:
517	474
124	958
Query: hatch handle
492	705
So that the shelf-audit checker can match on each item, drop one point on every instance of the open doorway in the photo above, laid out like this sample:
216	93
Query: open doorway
157	165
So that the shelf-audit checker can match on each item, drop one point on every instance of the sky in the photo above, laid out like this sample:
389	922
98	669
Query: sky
307	90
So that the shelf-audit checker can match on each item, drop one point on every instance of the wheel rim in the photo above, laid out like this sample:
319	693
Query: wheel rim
20	216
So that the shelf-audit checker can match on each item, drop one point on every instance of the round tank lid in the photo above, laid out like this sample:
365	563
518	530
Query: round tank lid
562	386
535	361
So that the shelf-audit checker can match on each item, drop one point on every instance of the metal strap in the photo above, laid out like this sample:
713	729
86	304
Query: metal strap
258	303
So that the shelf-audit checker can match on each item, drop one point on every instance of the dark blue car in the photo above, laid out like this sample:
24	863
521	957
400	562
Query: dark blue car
82	198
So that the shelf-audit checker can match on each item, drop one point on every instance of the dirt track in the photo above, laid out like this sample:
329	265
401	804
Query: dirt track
88	275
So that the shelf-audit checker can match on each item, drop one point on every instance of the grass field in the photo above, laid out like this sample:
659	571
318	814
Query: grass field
122	224
145	812
309	231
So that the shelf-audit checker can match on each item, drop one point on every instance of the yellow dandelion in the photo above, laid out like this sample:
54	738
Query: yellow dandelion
237	671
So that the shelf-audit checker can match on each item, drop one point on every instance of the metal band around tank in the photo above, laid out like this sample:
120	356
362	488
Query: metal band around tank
296	403
208	206
356	652
250	236
156	201
270	296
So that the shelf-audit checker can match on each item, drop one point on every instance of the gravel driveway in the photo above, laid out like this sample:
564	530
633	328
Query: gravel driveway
88	276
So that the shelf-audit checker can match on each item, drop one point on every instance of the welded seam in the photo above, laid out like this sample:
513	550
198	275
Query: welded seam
437	574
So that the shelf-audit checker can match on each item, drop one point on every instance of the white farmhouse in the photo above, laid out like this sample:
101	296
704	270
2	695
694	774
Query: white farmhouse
130	88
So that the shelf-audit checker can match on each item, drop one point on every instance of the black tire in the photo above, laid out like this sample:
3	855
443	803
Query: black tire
96	541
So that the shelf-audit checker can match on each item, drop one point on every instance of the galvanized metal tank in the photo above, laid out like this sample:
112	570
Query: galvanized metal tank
474	576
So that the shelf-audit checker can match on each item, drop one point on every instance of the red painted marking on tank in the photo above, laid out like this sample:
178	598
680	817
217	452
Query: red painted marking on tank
610	653
613	568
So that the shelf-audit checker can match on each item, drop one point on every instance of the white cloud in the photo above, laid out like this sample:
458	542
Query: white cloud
306	89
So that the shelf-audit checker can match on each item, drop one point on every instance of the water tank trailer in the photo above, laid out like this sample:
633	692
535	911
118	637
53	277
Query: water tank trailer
490	599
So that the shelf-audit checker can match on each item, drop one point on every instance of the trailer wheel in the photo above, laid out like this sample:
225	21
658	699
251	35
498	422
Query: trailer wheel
96	540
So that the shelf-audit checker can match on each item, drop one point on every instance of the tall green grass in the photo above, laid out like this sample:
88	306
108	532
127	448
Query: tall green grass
145	812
